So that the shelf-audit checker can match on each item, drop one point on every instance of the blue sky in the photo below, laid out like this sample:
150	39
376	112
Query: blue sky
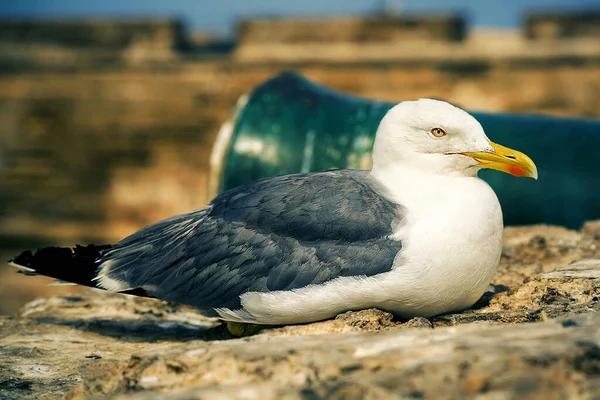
220	15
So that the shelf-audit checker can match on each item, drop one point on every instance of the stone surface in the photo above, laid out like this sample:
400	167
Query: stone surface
534	334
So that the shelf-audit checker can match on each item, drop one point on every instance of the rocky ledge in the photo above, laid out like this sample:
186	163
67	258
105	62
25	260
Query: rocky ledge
535	334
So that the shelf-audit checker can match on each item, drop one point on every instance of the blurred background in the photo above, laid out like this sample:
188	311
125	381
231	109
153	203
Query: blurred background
108	110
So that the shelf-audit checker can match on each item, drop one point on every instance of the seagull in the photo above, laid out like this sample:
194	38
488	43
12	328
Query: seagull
418	235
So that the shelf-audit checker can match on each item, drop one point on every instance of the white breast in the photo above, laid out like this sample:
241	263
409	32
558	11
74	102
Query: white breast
452	242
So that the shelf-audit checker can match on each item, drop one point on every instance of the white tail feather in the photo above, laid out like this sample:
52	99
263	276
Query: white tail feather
21	267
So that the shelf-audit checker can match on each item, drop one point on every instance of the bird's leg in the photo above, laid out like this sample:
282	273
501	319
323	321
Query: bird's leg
240	329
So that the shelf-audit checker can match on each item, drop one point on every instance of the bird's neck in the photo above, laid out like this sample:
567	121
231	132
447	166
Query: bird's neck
407	184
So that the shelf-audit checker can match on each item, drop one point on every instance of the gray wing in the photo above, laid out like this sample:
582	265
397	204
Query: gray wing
279	233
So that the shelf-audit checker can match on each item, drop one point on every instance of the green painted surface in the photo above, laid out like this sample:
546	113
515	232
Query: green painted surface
291	125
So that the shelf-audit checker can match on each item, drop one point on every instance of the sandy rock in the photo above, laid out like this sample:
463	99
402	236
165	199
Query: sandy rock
534	249
534	334
545	359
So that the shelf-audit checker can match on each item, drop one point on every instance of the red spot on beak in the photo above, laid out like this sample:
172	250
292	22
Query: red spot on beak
516	171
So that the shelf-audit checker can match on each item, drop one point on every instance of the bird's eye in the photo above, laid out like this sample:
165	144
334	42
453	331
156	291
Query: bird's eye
438	132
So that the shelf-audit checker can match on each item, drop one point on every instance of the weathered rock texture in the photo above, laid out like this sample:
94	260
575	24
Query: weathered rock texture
535	335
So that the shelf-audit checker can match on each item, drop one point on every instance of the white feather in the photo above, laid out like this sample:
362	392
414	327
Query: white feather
21	267
108	283
59	282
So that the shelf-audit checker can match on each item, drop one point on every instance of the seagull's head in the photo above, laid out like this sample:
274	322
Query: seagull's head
440	138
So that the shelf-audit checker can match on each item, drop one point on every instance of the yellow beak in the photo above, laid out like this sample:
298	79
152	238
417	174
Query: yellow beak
506	160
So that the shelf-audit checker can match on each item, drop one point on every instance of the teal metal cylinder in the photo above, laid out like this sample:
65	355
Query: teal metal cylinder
289	124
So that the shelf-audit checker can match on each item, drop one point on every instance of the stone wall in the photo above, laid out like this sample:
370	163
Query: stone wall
106	34
69	143
384	28
27	42
563	25
412	39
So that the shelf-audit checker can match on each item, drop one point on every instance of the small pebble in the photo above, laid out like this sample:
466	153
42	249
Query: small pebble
419	322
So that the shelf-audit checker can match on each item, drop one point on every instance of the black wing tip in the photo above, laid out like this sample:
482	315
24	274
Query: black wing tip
140	292
26	257
23	259
72	264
